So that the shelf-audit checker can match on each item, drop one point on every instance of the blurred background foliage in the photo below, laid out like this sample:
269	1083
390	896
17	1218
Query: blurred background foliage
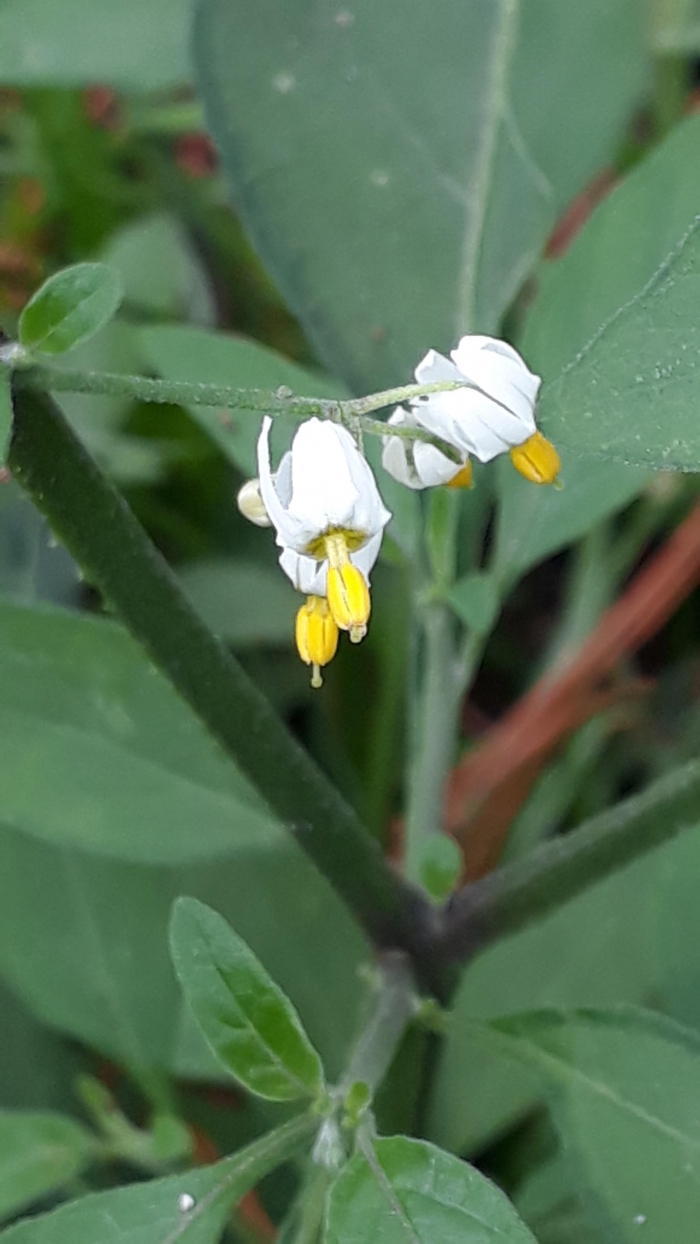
106	777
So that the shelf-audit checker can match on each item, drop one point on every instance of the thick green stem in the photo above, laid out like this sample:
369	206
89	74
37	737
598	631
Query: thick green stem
519	893
100	531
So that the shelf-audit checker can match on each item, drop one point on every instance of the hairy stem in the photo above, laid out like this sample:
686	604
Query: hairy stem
513	896
101	532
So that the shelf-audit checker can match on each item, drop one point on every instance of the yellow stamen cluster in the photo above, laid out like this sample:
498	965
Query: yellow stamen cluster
316	636
345	607
537	460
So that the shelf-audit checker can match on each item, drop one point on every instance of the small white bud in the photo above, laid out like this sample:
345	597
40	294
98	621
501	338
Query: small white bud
250	503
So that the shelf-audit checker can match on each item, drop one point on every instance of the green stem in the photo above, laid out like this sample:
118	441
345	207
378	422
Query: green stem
436	728
378	1042
101	532
255	401
519	893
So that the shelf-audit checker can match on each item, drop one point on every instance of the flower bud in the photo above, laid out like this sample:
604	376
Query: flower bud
250	503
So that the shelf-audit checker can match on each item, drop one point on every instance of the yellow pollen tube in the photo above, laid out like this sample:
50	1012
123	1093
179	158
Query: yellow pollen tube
537	460
463	478
316	635
348	599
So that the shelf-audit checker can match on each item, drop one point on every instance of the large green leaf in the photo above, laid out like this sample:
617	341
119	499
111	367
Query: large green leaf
618	315
401	1191
625	1092
400	164
247	1020
97	750
38	1153
83	942
597	950
37	1068
533	522
191	1207
124	43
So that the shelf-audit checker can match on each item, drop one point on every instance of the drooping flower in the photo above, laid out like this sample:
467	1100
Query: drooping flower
328	516
495	415
418	464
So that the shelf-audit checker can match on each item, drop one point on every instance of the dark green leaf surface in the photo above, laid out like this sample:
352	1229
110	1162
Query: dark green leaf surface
243	602
619	315
399	165
38	1153
247	1020
124	43
401	1191
535	522
74	925
69	308
626	1099
150	1213
97	750
597	950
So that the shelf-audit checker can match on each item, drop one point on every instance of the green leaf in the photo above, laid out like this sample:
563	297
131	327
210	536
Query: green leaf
401	1191
125	43
177	352
247	1020
445	140
243	602
597	950
535	522
97	750
618	315
73	925
625	1102
38	1154
475	599
154	1212
37	1068
70	307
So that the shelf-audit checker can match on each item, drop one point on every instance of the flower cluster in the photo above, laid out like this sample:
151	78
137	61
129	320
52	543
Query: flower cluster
324	503
493	415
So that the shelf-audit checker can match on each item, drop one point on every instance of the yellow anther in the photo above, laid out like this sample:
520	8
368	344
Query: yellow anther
348	598
537	460
316	635
463	478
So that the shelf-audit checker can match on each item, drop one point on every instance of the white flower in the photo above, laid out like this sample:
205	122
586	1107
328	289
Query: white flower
325	507
495	415
323	485
417	464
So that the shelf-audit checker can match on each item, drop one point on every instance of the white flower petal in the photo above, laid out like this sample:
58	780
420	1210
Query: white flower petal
307	575
365	557
432	466
435	367
323	491
289	529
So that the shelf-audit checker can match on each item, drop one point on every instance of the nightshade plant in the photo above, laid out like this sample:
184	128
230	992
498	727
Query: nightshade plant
422	987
